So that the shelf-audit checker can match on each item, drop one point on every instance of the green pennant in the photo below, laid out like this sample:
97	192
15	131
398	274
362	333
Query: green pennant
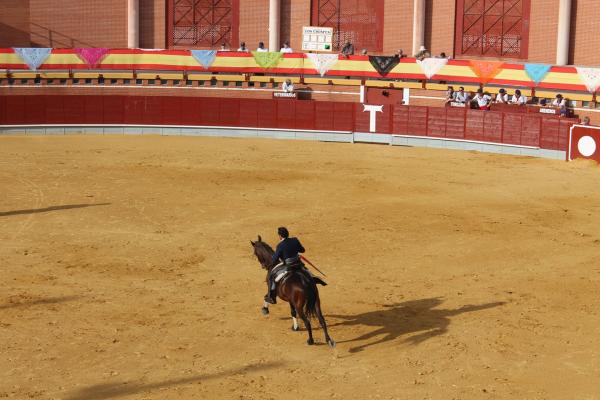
267	59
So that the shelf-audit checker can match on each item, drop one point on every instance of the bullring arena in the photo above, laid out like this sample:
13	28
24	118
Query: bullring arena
128	271
141	155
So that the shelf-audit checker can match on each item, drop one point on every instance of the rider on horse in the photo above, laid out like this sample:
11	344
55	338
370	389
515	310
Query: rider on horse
287	251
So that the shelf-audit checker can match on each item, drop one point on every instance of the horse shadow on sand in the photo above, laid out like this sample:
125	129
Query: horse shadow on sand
418	320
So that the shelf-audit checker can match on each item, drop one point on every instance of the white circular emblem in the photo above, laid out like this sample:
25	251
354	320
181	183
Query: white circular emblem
586	146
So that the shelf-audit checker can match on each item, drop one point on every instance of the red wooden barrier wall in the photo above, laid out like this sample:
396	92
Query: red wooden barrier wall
536	130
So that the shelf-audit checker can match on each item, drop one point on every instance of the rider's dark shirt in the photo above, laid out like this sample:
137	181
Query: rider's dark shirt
287	248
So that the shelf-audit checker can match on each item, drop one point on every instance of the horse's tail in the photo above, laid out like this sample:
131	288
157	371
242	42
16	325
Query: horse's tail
311	296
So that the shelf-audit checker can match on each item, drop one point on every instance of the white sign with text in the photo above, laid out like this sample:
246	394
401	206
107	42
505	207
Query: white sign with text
317	38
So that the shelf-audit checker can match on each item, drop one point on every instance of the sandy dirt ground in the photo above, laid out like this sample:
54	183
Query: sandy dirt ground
127	271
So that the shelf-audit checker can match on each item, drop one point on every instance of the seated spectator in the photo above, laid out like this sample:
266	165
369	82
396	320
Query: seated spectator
422	53
518	98
261	48
400	54
543	102
483	100
559	101
348	49
286	48
461	96
243	47
223	47
364	52
450	95
287	86
586	121
502	97
442	55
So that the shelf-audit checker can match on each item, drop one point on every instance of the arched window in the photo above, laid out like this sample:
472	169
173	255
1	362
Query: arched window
492	28
202	23
357	21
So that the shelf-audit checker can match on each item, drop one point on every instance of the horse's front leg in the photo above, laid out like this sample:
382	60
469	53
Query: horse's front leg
265	307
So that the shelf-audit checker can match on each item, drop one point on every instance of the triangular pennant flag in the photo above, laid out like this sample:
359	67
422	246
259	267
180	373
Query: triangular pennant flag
205	57
431	66
323	62
267	59
92	56
537	72
33	56
486	70
590	76
384	64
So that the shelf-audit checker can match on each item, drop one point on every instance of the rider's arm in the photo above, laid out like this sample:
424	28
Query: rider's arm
300	247
277	255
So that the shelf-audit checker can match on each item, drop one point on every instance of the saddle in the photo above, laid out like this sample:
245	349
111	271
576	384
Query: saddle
282	271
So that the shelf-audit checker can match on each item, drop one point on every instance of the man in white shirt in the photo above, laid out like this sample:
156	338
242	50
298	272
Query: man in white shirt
518	98
286	48
502	97
261	48
483	100
243	47
559	101
287	86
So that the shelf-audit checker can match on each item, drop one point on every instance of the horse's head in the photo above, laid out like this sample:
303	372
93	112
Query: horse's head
263	252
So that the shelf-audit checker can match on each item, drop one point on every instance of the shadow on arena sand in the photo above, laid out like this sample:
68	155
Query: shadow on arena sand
418	317
38	302
48	209
114	390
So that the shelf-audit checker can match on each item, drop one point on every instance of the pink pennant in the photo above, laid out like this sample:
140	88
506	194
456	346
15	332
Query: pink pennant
92	56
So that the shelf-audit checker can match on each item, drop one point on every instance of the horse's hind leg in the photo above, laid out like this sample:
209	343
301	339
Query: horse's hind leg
328	339
295	327
306	321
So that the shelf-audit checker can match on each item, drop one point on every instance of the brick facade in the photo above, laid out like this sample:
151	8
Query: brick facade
104	24
153	20
77	23
14	23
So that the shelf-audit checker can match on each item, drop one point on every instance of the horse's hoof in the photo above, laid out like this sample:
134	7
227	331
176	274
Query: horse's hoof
295	328
331	343
310	342
265	311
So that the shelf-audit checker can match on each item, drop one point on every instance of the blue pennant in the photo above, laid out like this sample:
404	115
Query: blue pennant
33	56
205	57
537	72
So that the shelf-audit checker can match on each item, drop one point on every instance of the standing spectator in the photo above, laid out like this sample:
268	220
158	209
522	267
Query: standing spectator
243	47
348	49
223	47
261	48
518	98
286	48
502	97
287	86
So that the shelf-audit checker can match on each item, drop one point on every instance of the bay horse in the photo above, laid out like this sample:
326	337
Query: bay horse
298	289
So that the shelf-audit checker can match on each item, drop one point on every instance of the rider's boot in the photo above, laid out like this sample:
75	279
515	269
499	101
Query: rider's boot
271	297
